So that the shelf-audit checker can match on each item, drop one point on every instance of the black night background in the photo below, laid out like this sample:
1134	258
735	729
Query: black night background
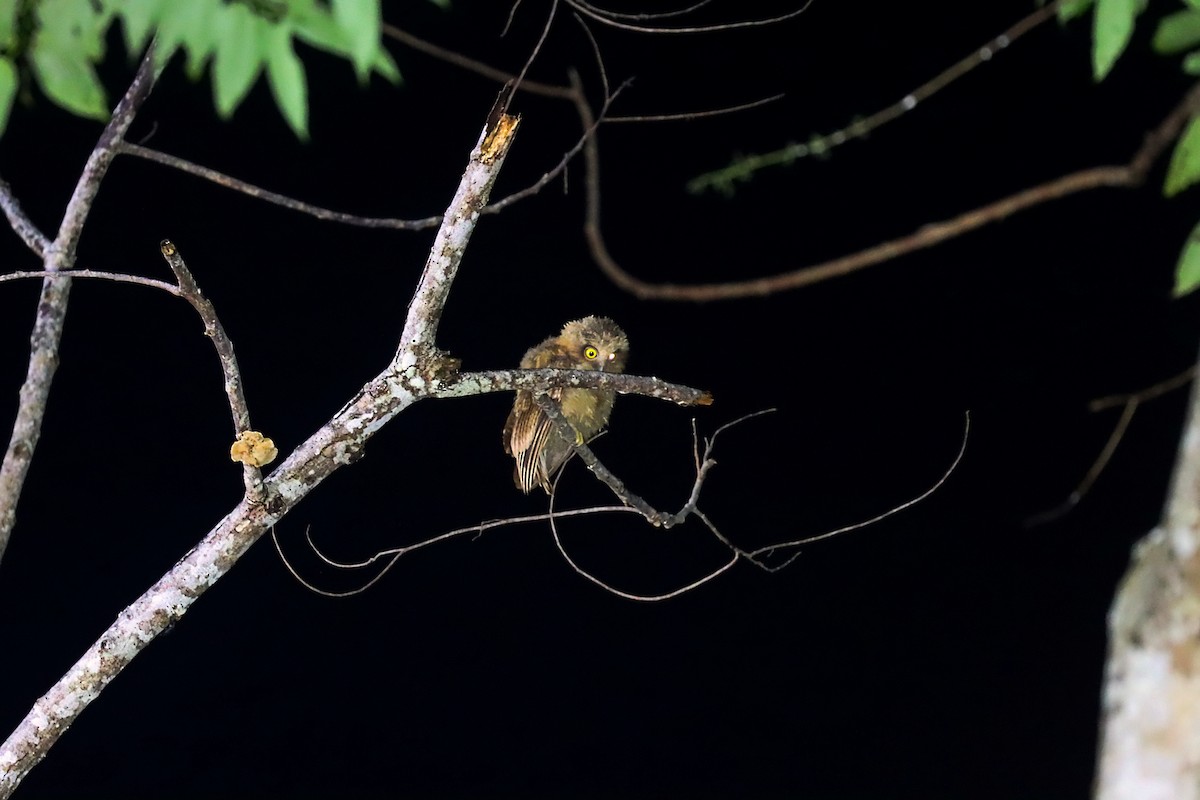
950	651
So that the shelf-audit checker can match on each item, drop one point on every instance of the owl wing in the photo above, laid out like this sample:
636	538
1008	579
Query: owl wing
525	435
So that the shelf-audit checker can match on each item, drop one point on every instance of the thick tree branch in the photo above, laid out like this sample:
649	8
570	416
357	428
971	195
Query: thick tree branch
59	255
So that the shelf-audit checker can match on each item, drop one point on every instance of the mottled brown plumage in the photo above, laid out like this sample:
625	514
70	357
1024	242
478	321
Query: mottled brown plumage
529	435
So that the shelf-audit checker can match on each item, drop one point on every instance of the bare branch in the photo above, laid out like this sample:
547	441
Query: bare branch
72	274
653	15
1177	381
688	116
395	553
537	48
52	305
425	310
471	65
587	11
657	518
756	555
1127	175
22	225
537	186
743	168
257	192
1130	403
507	380
189	290
645	598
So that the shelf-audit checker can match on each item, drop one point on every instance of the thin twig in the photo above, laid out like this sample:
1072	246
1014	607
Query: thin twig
259	193
72	274
189	290
394	554
651	15
21	224
716	28
472	65
52	305
537	48
744	167
757	555
1176	381
657	518
687	116
1130	404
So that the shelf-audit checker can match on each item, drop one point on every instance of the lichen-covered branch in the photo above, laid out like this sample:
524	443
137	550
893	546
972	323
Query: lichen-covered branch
1150	741
336	444
425	310
507	380
58	255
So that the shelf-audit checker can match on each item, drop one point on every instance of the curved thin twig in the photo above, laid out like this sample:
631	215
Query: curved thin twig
587	11
768	550
394	554
648	15
72	274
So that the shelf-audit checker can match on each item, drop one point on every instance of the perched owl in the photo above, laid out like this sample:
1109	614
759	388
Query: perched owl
529	435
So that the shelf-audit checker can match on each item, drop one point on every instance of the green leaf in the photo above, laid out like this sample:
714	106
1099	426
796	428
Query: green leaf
360	19
285	73
67	78
8	90
1071	9
318	28
386	66
1191	63
238	59
8	23
188	25
1184	169
138	19
1187	269
1111	33
1177	32
67	25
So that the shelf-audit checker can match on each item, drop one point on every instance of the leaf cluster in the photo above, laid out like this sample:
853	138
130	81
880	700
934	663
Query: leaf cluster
58	43
1179	32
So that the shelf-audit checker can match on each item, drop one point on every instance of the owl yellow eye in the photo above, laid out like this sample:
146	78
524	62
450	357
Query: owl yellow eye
590	353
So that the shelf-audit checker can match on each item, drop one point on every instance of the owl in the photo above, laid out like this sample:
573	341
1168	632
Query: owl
529	435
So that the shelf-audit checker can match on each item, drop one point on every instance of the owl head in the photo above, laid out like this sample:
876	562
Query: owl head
597	343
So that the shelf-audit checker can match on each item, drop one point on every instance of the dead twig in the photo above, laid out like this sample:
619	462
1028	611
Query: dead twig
1129	406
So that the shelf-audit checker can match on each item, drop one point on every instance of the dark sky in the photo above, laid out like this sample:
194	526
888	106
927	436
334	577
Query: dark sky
950	651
